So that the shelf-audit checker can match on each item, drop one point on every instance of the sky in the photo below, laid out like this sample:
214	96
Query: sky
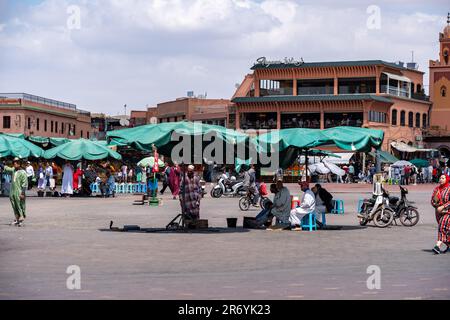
103	54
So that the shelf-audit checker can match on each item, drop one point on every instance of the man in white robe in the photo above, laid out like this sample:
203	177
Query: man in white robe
67	182
307	206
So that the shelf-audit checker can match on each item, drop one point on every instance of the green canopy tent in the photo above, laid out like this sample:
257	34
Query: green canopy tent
385	157
165	136
290	143
16	135
420	163
81	149
11	146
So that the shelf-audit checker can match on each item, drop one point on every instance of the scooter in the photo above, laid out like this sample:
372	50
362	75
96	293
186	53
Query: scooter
203	186
403	209
378	210
231	188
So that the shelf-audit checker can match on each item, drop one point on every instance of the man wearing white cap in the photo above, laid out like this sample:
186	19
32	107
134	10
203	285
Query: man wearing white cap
307	206
190	194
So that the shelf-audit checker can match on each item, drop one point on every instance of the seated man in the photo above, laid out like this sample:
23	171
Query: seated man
307	206
324	202
266	215
281	206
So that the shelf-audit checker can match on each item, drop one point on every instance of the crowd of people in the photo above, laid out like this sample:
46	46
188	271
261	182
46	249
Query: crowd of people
401	175
77	178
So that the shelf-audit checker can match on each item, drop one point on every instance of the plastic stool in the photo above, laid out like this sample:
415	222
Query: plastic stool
129	188
309	222
324	219
95	188
360	204
338	207
121	188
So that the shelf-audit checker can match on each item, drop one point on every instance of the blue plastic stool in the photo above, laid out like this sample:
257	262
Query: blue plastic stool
360	204
338	207
324	219
95	188
116	188
309	222
121	188
143	188
129	188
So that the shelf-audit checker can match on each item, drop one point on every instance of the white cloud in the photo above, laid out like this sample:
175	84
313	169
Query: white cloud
143	52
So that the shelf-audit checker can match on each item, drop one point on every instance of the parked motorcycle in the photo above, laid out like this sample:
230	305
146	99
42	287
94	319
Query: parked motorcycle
227	187
378	210
403	209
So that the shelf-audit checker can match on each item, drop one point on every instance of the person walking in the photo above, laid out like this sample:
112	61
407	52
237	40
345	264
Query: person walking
67	181
174	180
165	178
190	195
124	172
77	178
30	175
41	178
48	174
440	200
17	196
351	173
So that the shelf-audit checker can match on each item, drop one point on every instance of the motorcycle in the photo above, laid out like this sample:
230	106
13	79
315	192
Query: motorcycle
378	210
203	187
403	209
246	201
227	187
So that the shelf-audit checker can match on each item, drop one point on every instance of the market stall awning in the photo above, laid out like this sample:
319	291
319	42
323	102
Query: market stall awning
81	149
385	157
11	146
165	136
344	158
420	163
397	77
289	142
403	147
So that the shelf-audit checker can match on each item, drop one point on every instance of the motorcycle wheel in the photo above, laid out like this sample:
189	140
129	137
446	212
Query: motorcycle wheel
383	217
363	221
263	202
244	203
409	217
217	193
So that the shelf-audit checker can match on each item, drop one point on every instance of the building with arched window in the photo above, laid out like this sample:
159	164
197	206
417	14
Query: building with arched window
372	94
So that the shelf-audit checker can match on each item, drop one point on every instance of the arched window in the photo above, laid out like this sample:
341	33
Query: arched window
424	120
410	119
403	118
417	120
419	88
394	117
443	91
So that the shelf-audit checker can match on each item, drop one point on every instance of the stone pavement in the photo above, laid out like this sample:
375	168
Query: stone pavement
230	264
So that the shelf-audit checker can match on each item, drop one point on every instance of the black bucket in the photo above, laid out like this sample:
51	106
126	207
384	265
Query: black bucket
232	222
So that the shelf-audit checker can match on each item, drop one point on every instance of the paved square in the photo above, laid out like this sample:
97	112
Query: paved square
239	264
